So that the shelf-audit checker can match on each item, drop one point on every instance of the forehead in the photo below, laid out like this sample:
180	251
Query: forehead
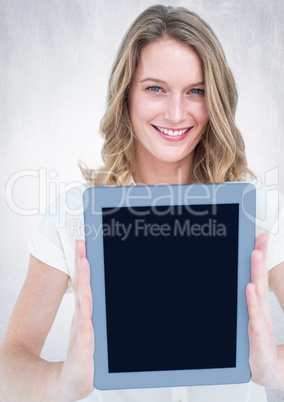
169	60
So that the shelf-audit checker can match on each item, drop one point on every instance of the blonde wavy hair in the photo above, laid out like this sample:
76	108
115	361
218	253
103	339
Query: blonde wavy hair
220	154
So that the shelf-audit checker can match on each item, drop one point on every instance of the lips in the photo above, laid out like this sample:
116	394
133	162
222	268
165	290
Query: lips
172	134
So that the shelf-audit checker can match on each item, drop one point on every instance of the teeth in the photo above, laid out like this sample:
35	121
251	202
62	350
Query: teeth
172	133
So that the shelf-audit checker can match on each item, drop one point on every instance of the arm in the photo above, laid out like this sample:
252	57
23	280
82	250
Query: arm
266	359
23	374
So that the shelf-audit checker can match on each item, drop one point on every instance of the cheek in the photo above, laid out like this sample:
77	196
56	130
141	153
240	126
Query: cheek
141	110
201	113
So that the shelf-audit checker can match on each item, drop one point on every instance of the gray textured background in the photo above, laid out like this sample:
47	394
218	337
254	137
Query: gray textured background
55	57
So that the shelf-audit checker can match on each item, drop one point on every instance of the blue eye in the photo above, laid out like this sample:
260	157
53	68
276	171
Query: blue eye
197	91
154	88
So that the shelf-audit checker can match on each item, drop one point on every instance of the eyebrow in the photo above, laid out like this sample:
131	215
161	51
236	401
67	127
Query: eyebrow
196	84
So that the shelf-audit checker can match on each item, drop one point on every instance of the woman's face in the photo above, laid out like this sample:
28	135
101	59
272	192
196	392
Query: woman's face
167	103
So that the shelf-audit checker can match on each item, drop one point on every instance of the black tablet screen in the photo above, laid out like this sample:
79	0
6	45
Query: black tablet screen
171	287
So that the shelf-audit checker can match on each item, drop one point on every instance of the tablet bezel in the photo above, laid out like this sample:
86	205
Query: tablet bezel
96	198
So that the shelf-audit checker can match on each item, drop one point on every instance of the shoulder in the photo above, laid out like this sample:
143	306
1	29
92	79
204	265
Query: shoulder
70	198
67	207
269	208
270	220
53	241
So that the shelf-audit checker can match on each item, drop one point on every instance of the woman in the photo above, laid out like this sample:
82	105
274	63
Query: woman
169	119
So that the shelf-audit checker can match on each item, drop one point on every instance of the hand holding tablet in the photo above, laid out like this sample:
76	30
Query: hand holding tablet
169	267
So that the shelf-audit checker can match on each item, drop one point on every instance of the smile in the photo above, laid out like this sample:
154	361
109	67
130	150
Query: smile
172	133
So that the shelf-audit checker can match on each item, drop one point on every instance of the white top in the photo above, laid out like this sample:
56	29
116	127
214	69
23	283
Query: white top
53	242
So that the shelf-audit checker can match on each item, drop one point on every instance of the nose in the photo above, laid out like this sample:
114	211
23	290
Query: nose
176	109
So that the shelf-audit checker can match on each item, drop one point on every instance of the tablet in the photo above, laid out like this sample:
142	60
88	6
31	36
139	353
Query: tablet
169	267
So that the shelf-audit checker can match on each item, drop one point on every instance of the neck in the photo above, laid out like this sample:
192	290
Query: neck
162	172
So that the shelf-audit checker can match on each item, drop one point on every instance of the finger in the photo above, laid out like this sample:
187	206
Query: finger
261	338
259	274
83	291
75	285
252	302
85	333
78	369
80	249
80	284
261	242
260	320
79	254
260	326
82	328
84	288
80	257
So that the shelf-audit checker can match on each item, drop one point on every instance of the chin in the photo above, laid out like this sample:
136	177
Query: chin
170	158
